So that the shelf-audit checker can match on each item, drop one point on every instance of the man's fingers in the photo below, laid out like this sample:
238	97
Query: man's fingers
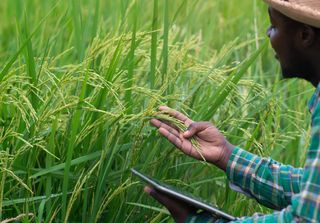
176	114
178	209
188	149
184	145
160	124
196	127
147	189
171	137
162	199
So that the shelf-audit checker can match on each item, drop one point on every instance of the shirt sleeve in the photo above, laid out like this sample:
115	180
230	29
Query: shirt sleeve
269	182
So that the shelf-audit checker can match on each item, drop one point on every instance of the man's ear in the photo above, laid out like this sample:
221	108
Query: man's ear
306	36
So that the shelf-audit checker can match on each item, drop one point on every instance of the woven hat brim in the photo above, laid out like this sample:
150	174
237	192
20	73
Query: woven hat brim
301	13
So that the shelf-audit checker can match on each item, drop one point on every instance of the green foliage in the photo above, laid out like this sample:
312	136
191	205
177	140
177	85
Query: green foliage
80	80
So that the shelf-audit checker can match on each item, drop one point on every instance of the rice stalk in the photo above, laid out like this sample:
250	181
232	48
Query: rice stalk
20	181
78	29
154	45
17	218
111	195
61	166
49	163
165	50
74	129
83	178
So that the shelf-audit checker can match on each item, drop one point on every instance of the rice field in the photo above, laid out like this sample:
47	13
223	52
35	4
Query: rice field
80	80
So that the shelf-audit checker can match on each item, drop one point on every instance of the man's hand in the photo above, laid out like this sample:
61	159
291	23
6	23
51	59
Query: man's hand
178	209
214	146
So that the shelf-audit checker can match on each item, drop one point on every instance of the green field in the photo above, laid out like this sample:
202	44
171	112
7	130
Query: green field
80	79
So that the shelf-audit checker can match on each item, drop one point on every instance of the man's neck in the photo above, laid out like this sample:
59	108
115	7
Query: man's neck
313	70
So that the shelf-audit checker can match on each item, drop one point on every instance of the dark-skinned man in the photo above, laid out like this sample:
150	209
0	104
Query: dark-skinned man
293	192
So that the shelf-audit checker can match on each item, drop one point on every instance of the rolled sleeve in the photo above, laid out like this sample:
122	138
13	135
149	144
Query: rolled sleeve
269	182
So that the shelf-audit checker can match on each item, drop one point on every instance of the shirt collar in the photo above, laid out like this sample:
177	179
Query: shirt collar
314	99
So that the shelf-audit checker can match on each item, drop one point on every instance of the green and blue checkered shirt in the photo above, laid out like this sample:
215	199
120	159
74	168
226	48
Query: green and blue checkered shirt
293	192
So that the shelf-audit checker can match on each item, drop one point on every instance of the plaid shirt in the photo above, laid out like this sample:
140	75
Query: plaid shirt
294	192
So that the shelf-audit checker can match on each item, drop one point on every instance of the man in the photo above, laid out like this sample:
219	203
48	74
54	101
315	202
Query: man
295	192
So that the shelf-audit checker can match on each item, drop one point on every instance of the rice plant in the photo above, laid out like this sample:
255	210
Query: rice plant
80	80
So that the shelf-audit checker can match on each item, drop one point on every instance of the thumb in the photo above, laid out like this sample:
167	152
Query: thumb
196	127
171	204
178	209
156	195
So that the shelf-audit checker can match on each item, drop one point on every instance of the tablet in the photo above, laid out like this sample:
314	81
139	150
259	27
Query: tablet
174	192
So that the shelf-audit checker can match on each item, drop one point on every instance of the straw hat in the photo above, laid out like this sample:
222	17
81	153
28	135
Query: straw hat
305	11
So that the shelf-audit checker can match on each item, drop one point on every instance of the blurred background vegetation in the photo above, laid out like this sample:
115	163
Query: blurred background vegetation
80	79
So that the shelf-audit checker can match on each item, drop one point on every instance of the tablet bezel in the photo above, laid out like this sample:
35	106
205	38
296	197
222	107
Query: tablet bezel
197	203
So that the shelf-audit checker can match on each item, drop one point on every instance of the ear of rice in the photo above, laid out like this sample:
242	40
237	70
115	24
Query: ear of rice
181	126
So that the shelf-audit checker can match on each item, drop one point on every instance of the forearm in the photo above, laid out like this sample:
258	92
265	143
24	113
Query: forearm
283	216
269	182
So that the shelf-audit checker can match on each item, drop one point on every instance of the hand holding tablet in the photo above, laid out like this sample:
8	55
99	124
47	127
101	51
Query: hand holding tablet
181	202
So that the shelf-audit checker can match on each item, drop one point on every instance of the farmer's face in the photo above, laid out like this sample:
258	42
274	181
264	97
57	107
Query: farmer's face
282	33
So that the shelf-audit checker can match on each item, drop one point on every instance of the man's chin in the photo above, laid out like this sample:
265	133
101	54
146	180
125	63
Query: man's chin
288	74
